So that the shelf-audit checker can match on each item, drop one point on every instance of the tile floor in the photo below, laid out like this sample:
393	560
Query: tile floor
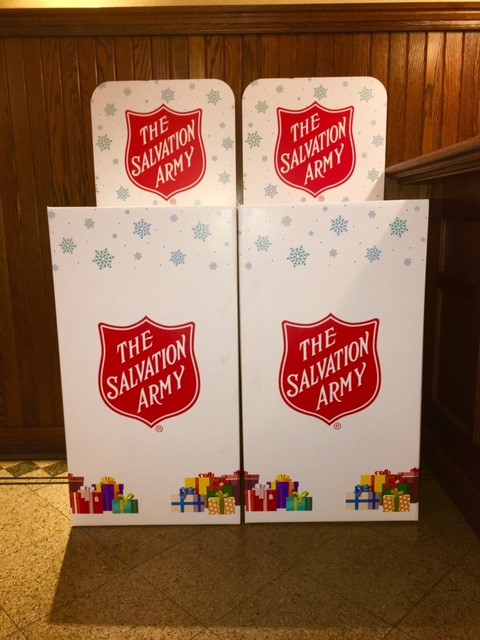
293	581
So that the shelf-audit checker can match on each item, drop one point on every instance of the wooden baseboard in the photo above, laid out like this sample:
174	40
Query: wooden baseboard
32	443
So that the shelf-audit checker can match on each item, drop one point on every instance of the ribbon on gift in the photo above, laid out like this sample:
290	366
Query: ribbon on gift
360	488
395	493
298	498
210	474
221	500
261	490
184	491
86	493
108	480
283	477
385	472
124	500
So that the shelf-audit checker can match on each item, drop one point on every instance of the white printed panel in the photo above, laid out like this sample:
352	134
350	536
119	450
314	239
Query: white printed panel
308	140
331	317
146	304
164	143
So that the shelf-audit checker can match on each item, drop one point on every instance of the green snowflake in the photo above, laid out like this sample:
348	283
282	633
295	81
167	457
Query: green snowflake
373	175
224	177
103	259
298	256
213	96
261	106
104	142
168	95
253	139
398	227
89	223
366	94
67	245
110	109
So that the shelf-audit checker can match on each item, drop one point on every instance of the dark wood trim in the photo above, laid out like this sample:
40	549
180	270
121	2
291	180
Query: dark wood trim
35	441
460	159
242	19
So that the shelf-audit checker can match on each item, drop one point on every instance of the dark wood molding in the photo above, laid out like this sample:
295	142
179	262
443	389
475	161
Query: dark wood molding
30	441
460	159
242	19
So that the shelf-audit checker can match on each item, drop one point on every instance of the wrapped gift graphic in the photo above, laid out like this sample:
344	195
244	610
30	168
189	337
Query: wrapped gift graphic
412	478
75	482
188	501
261	498
86	500
394	487
300	502
125	504
221	504
234	480
362	499
250	480
376	480
285	487
200	483
396	500
216	489
110	490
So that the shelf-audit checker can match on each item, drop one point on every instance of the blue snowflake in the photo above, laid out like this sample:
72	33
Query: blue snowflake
320	92
168	95
286	221
298	256
261	106
227	143
262	243
253	139
67	245
224	177
339	225
373	253
110	109
270	190
104	142
213	96
141	228
103	259
177	257
123	193
201	231
398	227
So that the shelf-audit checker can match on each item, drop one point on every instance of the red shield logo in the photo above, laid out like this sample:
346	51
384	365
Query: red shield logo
315	150
165	152
148	371
330	369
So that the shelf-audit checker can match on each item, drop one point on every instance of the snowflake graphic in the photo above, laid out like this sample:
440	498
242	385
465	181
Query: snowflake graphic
213	266
279	88
371	214
104	142
123	193
137	255
227	143
378	140
320	92
67	245
398	227
168	95
333	252
298	256
173	217
51	214
373	175
373	253
262	243
253	139
177	257
141	228
407	262
103	259
127	91
89	223
261	106
213	97
248	265
201	231
366	94
339	225
110	109
286	221
224	177
270	190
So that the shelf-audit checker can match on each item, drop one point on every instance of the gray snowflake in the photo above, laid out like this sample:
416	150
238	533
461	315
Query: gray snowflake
103	259
213	266
298	256
227	143
248	265
373	175
110	109
339	225
333	252
224	177
286	221
373	253
123	193
67	245
104	142
141	228
168	95
398	227
262	243
261	106
51	214
378	140
366	94
173	217
407	262
320	92
127	91
270	190
89	223
371	214
201	231
177	257
213	97
253	139
137	255
279	88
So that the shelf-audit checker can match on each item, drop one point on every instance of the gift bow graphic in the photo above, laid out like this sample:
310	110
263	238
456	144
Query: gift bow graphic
283	477
185	491
360	488
108	480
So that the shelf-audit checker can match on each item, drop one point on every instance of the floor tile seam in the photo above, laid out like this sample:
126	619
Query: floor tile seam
11	620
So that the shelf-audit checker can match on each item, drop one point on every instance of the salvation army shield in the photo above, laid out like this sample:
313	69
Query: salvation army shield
315	150
148	371
165	153
330	369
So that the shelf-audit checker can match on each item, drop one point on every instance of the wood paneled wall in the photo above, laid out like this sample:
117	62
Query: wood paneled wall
427	56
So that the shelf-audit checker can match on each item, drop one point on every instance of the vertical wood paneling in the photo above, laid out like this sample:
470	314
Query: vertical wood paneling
124	58
251	69
415	82
197	57
270	57
178	57
380	57
87	69
105	59
433	92
160	57
306	55
345	59
289	66
325	55
361	52
215	57
470	87
451	89
397	95
142	58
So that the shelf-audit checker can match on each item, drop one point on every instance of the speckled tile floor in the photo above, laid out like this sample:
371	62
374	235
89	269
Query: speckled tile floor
312	581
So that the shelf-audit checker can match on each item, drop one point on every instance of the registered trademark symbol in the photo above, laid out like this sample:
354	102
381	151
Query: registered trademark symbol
159	428
337	426
173	201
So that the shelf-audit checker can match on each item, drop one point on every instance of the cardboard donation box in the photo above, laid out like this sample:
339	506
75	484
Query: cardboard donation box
331	308
146	299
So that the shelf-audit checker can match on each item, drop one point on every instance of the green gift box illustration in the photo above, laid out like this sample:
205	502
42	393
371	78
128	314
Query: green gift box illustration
125	504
